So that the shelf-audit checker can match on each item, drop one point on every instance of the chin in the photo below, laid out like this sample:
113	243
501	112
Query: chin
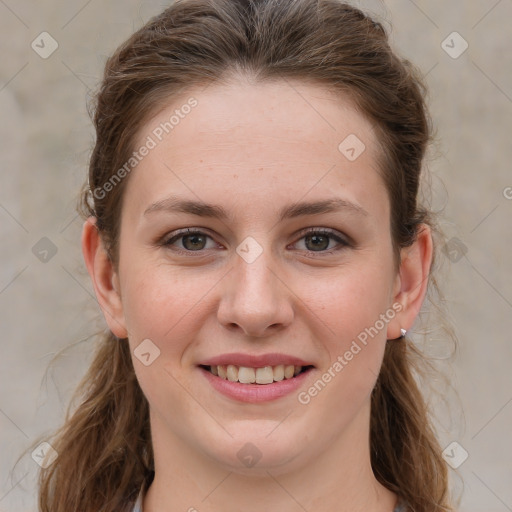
255	454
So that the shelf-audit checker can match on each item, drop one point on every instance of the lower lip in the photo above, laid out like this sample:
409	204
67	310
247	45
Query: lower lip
255	392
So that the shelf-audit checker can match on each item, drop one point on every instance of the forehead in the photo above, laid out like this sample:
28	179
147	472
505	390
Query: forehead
258	142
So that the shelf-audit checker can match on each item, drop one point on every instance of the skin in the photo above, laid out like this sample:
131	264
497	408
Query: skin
253	149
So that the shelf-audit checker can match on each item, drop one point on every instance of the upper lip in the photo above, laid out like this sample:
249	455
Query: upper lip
254	361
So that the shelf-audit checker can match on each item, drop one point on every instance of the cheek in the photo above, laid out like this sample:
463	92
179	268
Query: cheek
162	305
354	307
158	300
350	300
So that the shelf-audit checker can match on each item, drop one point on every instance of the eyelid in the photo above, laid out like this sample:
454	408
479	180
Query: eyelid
333	233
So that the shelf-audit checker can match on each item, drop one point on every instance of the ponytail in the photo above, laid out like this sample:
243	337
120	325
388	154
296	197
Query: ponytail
104	449
405	453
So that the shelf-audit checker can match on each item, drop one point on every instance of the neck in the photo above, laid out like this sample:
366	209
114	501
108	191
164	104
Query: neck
339	479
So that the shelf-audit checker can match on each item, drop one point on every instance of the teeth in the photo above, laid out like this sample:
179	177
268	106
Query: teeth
246	375
279	372
289	371
222	372
232	372
265	375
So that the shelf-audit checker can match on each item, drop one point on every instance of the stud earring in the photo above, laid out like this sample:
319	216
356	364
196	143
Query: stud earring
403	332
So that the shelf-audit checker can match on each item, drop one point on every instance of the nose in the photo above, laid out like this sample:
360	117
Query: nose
256	299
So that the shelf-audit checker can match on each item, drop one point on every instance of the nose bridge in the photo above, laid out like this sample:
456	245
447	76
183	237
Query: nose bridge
255	298
254	271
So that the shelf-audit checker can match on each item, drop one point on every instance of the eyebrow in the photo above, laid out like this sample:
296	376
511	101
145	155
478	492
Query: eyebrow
201	209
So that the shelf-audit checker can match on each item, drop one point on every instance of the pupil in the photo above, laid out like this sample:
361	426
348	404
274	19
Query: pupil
317	238
195	239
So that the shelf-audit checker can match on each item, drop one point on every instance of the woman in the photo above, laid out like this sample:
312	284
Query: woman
254	239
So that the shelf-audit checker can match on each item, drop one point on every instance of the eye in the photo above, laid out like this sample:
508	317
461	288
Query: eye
191	240
314	241
318	240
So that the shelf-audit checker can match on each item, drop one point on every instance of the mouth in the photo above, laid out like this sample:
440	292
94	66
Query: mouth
262	375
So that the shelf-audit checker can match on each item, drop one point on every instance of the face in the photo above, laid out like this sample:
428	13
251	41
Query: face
261	279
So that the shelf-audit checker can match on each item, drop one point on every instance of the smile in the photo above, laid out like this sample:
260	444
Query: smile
253	385
248	375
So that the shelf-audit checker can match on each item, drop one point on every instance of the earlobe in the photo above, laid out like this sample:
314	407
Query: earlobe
412	281
104	278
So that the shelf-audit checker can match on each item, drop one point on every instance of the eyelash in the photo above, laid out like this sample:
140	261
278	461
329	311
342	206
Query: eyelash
166	242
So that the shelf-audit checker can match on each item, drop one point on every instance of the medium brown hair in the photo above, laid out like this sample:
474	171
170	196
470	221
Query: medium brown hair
104	447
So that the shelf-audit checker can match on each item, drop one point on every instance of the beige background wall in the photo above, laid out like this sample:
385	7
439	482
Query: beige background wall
45	139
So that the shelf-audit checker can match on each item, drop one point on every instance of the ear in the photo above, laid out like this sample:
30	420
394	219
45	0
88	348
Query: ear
104	278
411	282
